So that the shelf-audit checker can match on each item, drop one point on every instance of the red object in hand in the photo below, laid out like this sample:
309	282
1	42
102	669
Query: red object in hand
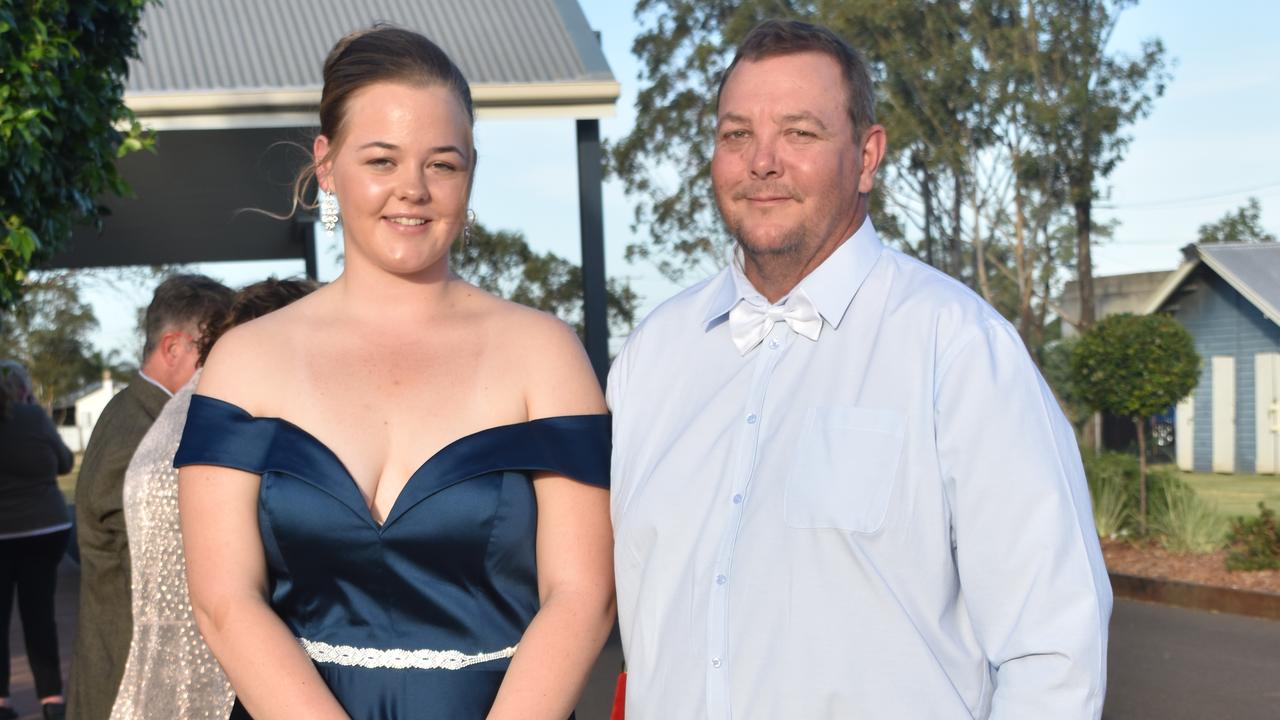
619	697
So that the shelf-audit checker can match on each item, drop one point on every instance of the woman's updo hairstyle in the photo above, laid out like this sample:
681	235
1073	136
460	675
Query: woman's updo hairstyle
380	54
384	54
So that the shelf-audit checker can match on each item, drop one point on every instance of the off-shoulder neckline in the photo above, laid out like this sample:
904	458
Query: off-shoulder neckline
451	447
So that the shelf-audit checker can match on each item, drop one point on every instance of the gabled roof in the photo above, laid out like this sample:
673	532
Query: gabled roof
70	399
1253	269
256	63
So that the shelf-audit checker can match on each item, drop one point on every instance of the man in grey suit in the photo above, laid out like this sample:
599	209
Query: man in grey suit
182	307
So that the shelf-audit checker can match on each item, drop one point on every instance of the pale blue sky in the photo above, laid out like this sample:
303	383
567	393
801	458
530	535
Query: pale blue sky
1212	140
1209	144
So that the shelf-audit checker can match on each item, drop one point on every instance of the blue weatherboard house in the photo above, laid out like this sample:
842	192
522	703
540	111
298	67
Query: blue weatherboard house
1228	297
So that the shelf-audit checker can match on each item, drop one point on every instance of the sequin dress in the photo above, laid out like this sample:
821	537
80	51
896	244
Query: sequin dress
170	672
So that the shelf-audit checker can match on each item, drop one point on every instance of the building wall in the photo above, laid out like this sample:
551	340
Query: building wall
87	411
74	437
1112	294
1223	322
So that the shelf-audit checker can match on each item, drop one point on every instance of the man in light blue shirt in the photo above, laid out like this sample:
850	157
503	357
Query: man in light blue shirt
840	487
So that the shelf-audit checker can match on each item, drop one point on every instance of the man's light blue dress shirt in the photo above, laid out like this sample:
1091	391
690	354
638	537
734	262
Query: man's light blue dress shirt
891	521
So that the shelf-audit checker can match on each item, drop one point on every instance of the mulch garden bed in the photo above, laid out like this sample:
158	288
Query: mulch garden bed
1153	561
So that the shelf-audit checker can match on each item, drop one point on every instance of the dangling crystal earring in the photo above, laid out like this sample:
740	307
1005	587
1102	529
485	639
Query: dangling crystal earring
466	229
328	210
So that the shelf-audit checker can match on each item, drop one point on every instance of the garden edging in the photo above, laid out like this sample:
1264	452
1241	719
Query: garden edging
1196	597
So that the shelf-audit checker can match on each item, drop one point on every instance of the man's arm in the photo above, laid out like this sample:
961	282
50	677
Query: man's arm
1031	571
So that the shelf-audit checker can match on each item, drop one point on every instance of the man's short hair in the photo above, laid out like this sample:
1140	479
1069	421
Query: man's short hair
772	38
183	301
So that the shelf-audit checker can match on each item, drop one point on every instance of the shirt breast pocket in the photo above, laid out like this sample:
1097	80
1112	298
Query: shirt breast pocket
844	470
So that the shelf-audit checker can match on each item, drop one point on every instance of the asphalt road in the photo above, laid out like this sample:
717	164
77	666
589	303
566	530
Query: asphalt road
1167	663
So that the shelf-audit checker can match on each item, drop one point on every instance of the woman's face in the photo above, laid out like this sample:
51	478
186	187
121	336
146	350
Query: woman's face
402	174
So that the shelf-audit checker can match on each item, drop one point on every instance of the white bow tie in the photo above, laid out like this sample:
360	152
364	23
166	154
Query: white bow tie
750	324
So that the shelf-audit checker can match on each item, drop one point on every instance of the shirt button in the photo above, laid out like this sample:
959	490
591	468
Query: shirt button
751	419
715	662
774	344
737	499
721	579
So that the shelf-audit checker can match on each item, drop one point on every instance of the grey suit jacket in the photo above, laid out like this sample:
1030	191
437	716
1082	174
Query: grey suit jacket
106	625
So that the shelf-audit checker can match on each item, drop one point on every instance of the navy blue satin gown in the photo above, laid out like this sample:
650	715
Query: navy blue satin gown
417	617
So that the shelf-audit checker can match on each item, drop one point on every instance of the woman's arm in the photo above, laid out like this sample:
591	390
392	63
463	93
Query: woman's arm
227	573
574	556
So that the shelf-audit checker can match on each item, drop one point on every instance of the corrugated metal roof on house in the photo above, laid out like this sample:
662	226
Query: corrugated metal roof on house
69	400
229	45
1251	268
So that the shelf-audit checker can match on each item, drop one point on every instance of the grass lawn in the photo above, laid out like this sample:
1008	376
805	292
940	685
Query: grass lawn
1236	494
67	483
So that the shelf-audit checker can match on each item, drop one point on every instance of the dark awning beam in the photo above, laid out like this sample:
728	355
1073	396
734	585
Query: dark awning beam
595	311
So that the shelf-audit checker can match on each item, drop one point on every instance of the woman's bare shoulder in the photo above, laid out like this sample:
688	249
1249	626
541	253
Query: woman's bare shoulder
545	352
249	364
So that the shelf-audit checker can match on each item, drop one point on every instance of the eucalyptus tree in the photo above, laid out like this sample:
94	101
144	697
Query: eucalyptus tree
1242	225
502	263
1086	96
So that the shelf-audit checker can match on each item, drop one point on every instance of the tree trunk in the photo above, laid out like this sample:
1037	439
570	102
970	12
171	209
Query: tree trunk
979	247
1020	265
1043	313
928	216
1084	261
954	258
1142	476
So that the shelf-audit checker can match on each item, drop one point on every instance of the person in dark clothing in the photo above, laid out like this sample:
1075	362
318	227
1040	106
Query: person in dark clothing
34	527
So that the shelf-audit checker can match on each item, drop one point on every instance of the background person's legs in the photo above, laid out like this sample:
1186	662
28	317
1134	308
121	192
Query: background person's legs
36	576
8	556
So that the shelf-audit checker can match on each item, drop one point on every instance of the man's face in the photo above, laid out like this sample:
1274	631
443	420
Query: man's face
787	170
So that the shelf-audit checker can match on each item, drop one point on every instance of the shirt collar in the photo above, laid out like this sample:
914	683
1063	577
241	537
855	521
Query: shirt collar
153	381
831	286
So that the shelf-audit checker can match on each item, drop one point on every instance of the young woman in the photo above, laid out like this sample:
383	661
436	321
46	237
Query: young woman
394	491
170	672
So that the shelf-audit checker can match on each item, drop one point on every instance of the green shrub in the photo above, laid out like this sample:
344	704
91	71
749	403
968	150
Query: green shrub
1255	542
1183	521
1135	366
1110	482
1178	518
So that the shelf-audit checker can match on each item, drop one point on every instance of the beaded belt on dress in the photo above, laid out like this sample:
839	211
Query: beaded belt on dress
396	658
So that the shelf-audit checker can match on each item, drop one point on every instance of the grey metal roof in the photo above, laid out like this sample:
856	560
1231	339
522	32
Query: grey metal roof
273	50
1253	269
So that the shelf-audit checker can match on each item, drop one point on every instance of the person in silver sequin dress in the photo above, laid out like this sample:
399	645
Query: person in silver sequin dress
170	672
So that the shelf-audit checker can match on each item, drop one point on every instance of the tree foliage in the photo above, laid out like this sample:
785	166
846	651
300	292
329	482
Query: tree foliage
62	70
1085	97
48	330
503	263
1242	225
1135	366
1003	116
